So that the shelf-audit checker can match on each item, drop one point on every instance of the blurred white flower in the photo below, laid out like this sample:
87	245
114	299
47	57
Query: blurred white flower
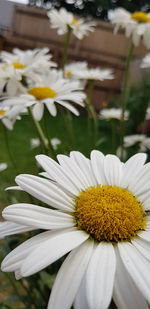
61	20
71	69
110	113
51	89
94	74
146	61
10	80
147	116
29	63
3	166
143	140
8	116
35	142
136	25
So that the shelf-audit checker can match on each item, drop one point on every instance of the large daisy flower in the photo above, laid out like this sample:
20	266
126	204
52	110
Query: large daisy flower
52	88
99	213
136	25
29	63
62	19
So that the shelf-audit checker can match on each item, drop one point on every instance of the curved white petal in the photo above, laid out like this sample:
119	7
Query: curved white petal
85	165
45	191
100	276
51	250
57	173
38	217
10	228
125	294
131	168
81	298
113	170
137	266
97	162
38	110
143	246
141	184
51	108
71	274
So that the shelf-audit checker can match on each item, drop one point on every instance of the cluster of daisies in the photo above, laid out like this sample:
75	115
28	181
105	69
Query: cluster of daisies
95	210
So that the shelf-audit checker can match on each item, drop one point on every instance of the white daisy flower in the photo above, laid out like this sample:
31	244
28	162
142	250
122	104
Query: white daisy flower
55	142
10	80
29	63
52	89
99	215
9	115
147	114
71	69
3	166
110	113
136	25
61	20
143	140
146	62
94	74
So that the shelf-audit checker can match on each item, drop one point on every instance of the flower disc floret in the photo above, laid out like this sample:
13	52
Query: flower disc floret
41	93
18	65
109	213
140	17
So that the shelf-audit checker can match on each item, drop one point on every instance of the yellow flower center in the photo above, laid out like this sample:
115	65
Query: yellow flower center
68	74
41	93
74	21
140	17
2	112
109	213
18	65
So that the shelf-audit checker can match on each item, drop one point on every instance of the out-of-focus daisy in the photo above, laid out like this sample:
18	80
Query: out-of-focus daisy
136	25
94	74
143	140
61	20
3	166
8	116
100	214
52	89
71	69
35	142
10	80
147	114
110	113
29	63
146	62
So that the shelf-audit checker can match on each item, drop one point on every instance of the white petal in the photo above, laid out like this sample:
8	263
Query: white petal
137	266
15	258
38	217
51	108
10	228
57	173
45	191
97	161
143	246
131	168
81	298
141	183
126	295
113	170
70	273
38	110
85	166
145	235
51	250
100	276
74	172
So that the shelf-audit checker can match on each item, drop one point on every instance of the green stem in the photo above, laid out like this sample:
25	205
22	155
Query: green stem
125	94
90	109
39	131
113	136
66	46
8	148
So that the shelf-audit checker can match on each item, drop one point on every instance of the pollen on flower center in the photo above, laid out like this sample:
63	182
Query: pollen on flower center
41	93
109	213
68	74
2	112
74	21
140	17
18	65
